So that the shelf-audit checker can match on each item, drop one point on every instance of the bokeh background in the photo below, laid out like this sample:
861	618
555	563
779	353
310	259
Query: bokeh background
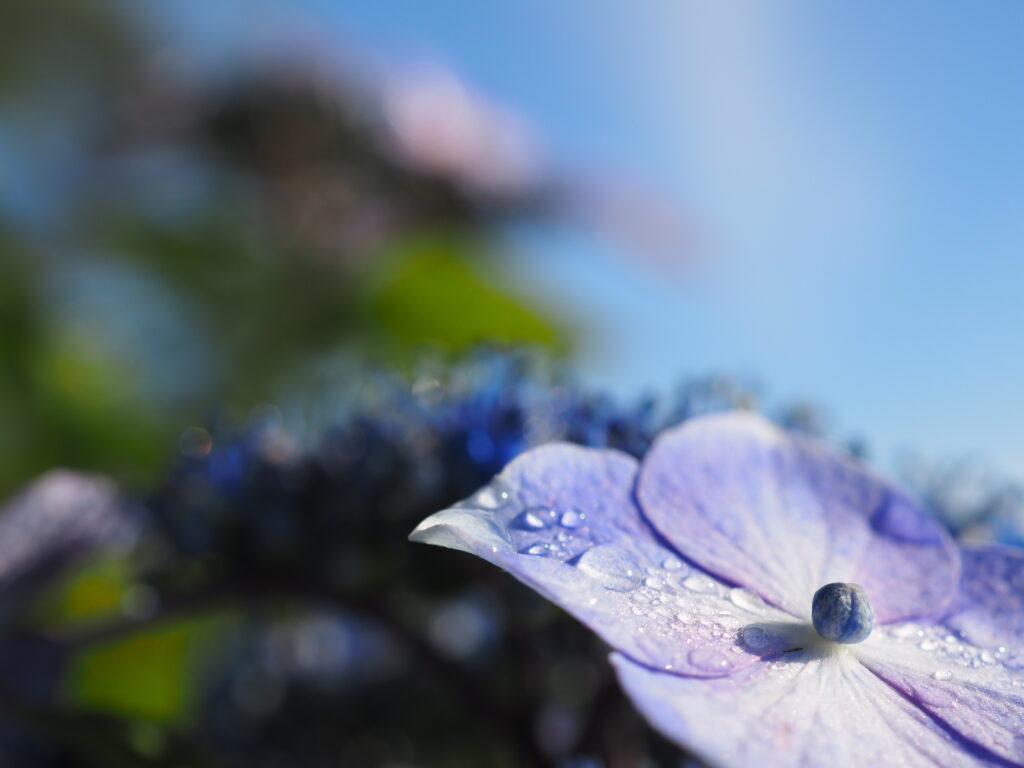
284	278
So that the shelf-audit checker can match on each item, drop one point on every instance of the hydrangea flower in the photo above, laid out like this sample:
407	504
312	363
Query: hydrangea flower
699	565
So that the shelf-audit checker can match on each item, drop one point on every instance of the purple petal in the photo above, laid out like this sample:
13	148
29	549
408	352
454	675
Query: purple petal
977	692
827	711
989	608
61	517
783	514
561	519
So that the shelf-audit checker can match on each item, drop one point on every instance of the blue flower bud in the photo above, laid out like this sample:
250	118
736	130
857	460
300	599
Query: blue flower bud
841	612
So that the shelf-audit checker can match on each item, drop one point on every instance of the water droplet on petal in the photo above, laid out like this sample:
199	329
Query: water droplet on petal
535	549
531	520
1014	661
709	660
756	639
901	521
906	631
698	583
571	518
672	564
745	599
613	568
942	674
491	498
928	645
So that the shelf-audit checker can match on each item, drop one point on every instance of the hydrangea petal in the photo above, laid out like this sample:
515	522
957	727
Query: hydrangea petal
825	710
989	607
561	518
967	677
783	514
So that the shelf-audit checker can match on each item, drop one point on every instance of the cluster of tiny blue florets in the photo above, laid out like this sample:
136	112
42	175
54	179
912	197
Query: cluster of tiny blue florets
322	518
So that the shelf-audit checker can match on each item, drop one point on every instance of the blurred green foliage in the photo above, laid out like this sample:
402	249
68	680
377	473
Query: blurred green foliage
437	293
172	244
151	675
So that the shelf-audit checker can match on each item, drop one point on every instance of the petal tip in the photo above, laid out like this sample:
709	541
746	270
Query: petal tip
469	530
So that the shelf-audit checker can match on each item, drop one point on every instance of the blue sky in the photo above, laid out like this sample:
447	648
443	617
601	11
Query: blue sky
857	172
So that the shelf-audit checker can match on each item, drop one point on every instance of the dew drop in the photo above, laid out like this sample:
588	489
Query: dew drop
902	522
745	599
942	674
698	583
756	639
905	631
572	518
928	645
531	520
672	564
643	596
1014	661
709	660
613	568
491	498
535	549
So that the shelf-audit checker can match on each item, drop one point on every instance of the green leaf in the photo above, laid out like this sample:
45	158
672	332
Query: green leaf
89	593
151	674
436	296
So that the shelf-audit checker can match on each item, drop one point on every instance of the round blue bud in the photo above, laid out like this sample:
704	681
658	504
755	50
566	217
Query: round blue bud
841	612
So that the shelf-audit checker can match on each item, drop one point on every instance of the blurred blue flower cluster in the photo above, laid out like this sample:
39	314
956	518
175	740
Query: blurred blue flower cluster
331	635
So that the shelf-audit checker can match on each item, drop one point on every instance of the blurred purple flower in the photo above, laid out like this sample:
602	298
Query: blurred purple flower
698	566
63	517
438	125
